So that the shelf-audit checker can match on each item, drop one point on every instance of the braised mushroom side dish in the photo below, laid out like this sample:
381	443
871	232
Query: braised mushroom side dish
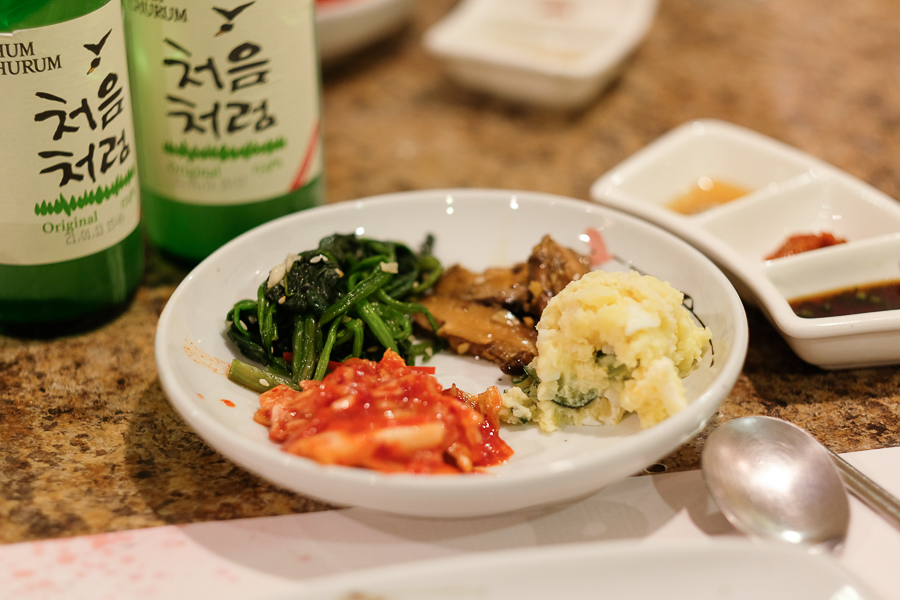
492	314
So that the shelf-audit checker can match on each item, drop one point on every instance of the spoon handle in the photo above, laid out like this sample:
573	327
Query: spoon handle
878	499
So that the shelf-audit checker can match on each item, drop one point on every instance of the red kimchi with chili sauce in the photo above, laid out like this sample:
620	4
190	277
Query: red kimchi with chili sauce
386	416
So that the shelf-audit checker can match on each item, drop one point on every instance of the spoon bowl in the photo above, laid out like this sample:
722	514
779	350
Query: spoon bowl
773	481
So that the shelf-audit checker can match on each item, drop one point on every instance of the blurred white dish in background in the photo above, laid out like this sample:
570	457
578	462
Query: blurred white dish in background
718	570
554	53
478	229
788	192
345	26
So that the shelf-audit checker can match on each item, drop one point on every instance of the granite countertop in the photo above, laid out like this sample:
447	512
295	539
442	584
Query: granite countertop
90	443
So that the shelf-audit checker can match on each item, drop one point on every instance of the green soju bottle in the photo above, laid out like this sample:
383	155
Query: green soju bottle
227	100
70	246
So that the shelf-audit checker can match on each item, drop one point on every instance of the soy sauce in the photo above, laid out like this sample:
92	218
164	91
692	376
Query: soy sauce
849	301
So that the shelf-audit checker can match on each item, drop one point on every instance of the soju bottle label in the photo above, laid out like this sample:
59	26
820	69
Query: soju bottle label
68	181
227	97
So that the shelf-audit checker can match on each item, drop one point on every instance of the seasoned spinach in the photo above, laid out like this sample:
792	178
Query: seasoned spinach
350	297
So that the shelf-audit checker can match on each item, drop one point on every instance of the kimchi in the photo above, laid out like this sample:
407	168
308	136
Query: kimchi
386	416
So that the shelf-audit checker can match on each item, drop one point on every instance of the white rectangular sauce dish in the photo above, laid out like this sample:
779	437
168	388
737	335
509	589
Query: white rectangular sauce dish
557	54
788	193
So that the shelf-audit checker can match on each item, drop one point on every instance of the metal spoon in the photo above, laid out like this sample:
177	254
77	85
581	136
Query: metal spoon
774	481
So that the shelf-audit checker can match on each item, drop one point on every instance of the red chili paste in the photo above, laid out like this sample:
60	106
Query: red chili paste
386	416
804	242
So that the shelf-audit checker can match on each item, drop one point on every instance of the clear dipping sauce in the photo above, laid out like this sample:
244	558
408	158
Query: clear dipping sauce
707	193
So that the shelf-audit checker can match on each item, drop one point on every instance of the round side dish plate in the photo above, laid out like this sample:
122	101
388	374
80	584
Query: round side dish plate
478	229
347	26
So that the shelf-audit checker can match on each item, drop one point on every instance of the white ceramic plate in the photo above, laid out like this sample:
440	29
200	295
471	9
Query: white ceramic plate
559	54
477	228
345	26
729	570
791	193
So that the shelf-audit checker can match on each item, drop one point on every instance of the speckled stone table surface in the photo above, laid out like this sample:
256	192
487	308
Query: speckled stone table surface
88	441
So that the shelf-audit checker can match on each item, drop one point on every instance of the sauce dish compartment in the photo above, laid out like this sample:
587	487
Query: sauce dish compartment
757	225
876	260
790	193
672	165
867	339
559	55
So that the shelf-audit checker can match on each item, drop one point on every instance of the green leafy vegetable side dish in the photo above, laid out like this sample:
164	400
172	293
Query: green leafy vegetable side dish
350	297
